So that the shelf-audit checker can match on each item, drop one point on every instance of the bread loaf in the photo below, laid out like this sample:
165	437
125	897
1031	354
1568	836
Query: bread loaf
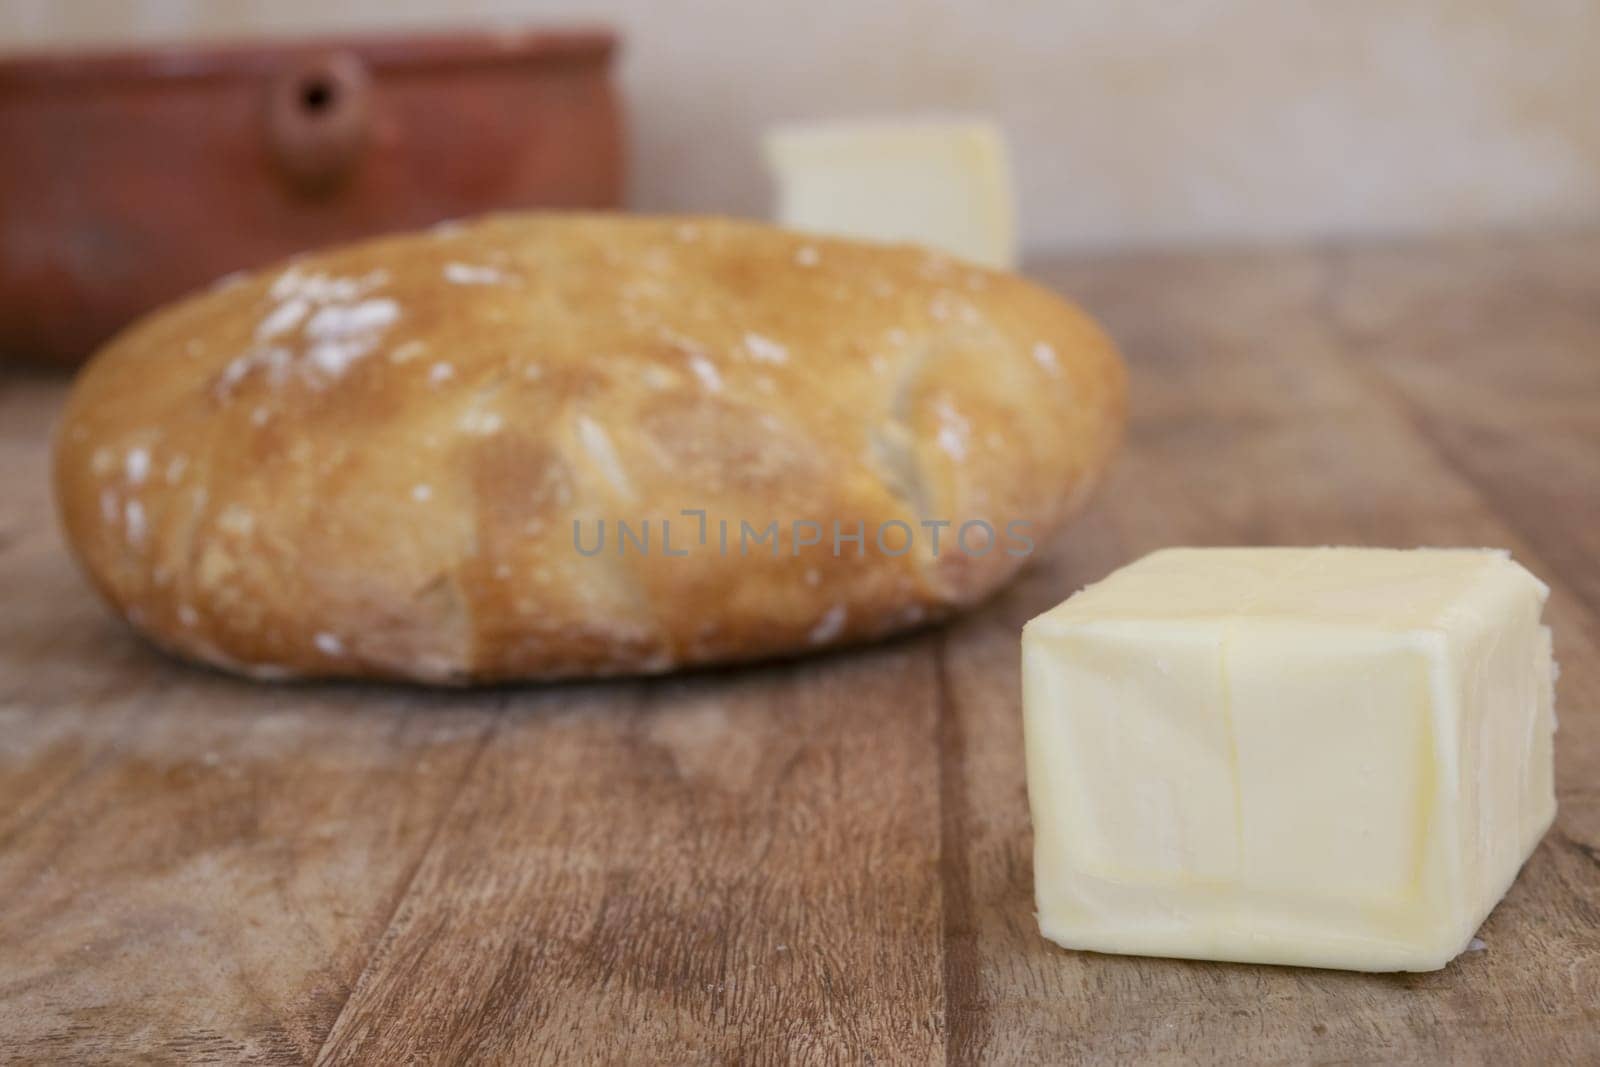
396	459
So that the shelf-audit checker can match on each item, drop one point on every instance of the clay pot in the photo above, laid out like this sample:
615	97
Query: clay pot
128	179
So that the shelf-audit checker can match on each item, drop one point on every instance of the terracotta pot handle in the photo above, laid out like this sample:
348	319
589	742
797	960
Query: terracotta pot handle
318	114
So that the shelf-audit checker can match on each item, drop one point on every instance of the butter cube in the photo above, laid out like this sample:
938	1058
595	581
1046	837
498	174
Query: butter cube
944	184
1328	757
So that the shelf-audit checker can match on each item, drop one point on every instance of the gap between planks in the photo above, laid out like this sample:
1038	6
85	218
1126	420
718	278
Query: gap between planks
961	973
497	718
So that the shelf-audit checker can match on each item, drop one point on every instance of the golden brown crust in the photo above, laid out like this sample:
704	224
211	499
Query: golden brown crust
369	462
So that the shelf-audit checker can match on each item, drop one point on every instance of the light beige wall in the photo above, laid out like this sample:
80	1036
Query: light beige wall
1131	122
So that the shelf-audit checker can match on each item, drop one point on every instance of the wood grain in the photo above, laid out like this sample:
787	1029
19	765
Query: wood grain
825	861
735	867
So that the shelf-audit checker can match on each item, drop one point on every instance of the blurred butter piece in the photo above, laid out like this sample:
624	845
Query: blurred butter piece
944	184
1329	757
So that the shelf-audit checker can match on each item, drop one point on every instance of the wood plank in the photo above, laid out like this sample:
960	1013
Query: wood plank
731	867
192	868
212	891
1492	346
1251	427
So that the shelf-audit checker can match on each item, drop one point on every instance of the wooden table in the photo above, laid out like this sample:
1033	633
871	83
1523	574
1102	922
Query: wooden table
821	861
